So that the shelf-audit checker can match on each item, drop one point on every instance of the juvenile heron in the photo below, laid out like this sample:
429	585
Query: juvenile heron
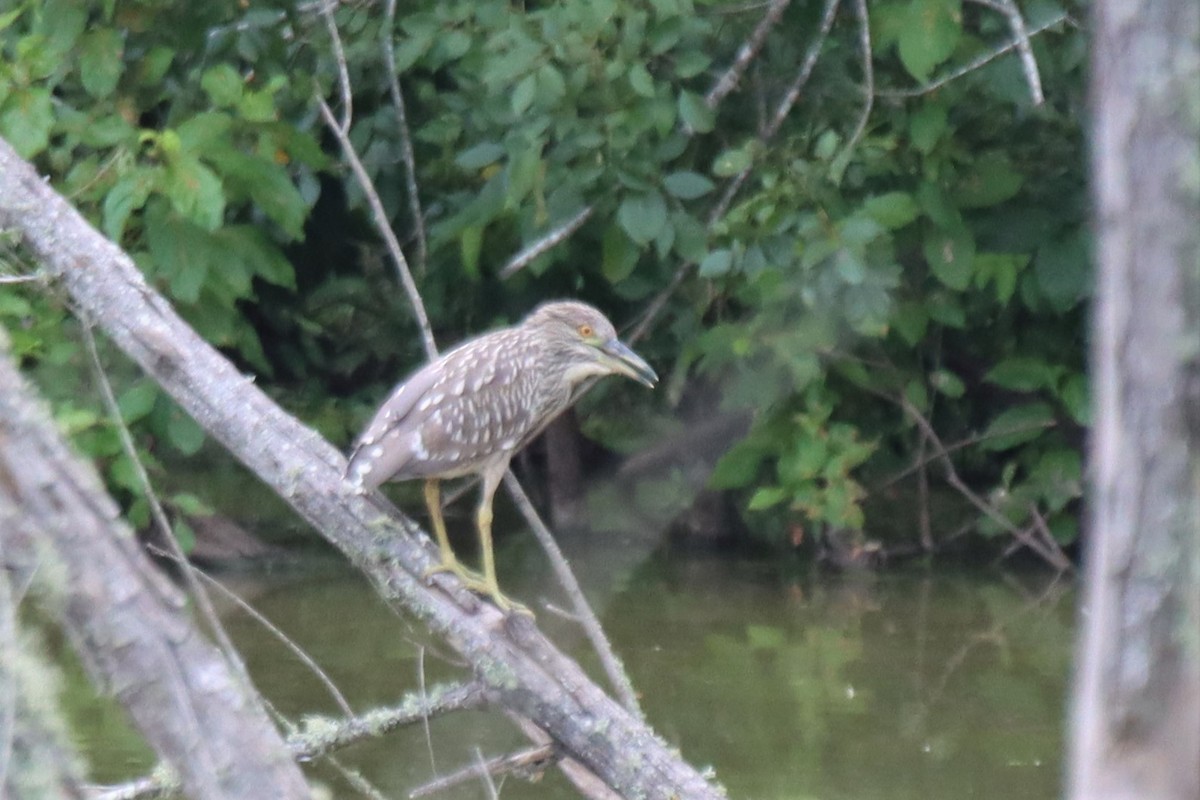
470	411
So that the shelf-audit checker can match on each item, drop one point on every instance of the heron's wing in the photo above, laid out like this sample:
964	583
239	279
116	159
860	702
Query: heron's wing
371	463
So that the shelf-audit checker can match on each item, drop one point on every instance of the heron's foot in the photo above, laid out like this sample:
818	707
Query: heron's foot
503	601
470	578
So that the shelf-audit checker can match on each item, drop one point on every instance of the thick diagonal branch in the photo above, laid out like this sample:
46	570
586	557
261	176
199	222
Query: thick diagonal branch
520	669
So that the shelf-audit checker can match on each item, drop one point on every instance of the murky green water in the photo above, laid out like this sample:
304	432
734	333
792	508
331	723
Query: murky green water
790	683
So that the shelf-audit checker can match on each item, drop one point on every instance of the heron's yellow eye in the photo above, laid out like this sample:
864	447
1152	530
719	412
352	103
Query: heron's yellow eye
586	331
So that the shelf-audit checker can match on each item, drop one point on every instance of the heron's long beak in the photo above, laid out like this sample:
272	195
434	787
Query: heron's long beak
617	355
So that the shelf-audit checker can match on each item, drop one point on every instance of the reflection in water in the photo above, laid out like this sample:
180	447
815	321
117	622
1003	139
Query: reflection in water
900	685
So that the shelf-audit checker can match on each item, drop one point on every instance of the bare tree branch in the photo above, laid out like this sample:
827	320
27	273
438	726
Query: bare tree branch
613	667
782	109
554	237
339	56
127	622
746	53
320	736
868	68
379	215
406	145
975	63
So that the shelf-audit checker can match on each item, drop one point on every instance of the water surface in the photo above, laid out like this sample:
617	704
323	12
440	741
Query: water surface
789	682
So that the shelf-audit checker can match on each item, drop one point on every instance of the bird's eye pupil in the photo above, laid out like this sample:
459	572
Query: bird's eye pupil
585	330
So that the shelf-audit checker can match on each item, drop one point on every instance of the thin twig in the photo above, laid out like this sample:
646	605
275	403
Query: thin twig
1028	63
535	249
339	56
355	778
287	641
587	618
766	133
379	215
530	760
320	736
189	572
406	145
974	64
984	507
425	719
924	527
746	53
20	278
792	95
868	68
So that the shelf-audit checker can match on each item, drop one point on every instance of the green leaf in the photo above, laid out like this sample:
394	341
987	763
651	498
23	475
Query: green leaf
1076	399
643	216
930	34
691	237
138	400
522	96
767	497
101	61
184	535
1016	426
222	84
695	113
691	63
265	182
479	156
127	195
26	117
191	505
259	256
183	253
1001	270
946	382
926	126
893	210
951	256
990	181
152	67
184	434
1063	270
257	106
195	192
739	466
687	185
911	320
618	255
716	264
470	243
1024	374
731	162
640	80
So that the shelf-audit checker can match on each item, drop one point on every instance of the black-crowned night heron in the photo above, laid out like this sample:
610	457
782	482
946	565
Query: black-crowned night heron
471	410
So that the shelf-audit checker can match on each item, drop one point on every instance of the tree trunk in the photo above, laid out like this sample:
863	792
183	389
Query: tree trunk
127	622
1136	720
520	668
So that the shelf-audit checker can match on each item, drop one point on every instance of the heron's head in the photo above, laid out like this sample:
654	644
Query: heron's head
583	344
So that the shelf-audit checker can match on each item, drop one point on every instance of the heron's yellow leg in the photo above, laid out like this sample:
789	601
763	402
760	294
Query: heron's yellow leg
449	562
491	586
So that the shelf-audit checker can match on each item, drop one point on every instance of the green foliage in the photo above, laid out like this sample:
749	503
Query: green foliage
937	258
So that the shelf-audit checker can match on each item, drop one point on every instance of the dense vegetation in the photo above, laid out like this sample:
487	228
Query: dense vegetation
889	272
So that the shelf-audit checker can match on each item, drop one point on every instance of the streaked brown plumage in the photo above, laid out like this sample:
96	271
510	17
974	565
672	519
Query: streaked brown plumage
470	411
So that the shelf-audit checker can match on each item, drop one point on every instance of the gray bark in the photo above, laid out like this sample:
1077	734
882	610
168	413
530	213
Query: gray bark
1136	716
520	668
128	623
